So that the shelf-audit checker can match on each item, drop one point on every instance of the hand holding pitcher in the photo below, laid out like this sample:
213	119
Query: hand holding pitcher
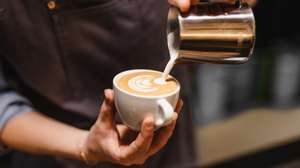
184	5
212	33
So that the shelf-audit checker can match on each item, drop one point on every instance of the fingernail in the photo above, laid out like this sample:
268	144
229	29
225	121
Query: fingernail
183	1
149	127
149	124
183	5
106	91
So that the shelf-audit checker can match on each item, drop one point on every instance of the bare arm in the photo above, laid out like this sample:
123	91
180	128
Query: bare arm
35	133
21	128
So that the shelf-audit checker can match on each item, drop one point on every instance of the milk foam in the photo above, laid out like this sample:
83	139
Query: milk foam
160	81
142	83
147	83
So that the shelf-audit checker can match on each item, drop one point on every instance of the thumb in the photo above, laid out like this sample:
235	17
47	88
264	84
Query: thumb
106	110
183	5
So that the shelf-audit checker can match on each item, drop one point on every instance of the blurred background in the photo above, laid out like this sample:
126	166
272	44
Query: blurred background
249	115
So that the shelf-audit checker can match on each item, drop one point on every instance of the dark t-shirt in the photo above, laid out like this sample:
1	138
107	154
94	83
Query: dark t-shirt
62	54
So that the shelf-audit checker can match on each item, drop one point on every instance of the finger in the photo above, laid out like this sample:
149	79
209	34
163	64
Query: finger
194	2
172	2
143	141
109	96
179	106
183	5
250	2
163	136
106	110
145	137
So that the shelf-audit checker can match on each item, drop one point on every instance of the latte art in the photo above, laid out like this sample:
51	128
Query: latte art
143	83
148	83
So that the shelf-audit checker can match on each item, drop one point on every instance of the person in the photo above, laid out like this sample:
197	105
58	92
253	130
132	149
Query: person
57	56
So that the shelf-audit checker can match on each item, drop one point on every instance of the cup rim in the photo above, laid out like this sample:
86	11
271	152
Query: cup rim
143	96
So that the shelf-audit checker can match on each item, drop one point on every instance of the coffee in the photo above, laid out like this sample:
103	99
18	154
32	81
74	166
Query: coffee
146	83
139	93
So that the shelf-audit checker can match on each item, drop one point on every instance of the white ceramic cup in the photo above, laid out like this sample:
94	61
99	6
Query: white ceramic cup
133	108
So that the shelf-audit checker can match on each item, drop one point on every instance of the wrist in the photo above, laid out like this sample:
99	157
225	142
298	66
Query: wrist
86	153
81	146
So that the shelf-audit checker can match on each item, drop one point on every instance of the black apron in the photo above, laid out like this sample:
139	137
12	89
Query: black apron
62	54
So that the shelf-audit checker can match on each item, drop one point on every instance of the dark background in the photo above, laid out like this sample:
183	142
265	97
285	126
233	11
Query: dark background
271	79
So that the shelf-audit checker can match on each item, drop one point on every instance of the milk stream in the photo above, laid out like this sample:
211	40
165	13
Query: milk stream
173	57
168	68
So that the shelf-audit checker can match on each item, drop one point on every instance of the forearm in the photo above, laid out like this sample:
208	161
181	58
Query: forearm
35	133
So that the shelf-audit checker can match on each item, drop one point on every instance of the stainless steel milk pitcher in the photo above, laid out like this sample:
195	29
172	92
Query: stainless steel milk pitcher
211	32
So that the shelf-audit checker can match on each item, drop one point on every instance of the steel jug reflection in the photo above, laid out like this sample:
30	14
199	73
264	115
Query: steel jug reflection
210	32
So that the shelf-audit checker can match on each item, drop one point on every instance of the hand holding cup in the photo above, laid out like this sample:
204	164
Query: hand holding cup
117	143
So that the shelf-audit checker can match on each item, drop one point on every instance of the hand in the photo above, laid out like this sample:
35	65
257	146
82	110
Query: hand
184	5
108	141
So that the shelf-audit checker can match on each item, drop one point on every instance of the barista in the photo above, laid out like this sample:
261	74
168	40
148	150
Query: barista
57	57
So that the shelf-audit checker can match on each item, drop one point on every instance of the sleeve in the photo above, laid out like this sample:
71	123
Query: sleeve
11	105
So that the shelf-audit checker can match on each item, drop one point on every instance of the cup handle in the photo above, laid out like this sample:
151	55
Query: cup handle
165	112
